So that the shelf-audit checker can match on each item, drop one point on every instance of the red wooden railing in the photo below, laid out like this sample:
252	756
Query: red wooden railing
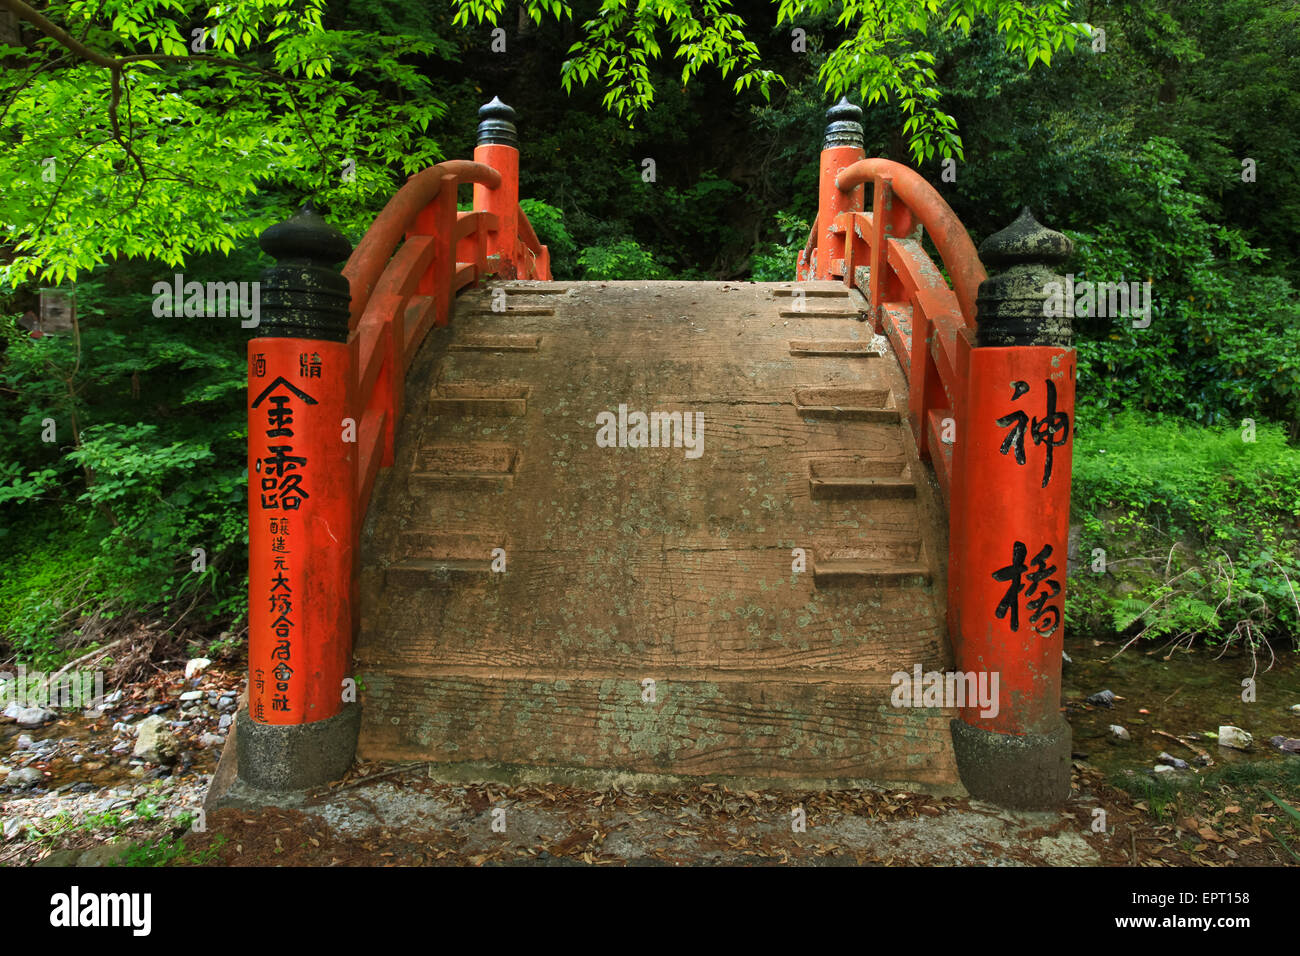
404	275
927	321
963	389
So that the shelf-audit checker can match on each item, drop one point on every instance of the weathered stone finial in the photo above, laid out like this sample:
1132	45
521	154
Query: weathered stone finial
1012	303
843	125
496	124
303	295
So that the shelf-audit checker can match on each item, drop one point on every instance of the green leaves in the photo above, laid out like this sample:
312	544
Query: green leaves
621	259
1224	342
264	96
1197	525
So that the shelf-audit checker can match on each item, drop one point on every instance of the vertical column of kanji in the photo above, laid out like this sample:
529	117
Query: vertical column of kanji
296	732
842	147
498	147
1011	515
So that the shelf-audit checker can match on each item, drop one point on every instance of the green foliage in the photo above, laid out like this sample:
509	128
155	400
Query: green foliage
1199	529
777	263
1170	796
879	52
158	149
548	222
147	467
1292	817
171	851
1223	344
621	41
621	259
46	587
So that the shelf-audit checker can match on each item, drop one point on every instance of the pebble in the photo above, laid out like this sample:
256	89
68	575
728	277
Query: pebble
34	716
1118	731
225	721
1290	745
212	740
24	777
155	742
1295	709
226	703
24	742
12	828
1104	698
1172	761
196	666
1234	737
191	695
1161	768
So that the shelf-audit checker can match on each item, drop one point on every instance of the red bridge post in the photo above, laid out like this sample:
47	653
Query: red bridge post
1011	511
297	732
498	147
842	147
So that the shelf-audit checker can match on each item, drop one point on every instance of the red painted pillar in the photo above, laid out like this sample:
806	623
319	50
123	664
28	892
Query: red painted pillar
841	148
297	732
1011	515
498	147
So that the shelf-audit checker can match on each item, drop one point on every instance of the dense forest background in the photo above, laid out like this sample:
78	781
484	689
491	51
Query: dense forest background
1165	152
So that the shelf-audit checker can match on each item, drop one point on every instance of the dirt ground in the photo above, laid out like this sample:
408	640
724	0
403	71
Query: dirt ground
100	806
379	817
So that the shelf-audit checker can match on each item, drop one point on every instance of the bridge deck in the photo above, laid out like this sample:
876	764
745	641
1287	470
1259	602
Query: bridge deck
624	564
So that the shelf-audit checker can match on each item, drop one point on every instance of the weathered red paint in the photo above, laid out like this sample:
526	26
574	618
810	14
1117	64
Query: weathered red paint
403	277
502	201
300	528
941	223
831	202
999	502
372	255
993	501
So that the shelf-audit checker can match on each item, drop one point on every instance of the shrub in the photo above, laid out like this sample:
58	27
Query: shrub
620	259
778	260
1200	529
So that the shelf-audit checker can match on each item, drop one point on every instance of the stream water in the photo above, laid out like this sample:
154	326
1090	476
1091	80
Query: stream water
1191	694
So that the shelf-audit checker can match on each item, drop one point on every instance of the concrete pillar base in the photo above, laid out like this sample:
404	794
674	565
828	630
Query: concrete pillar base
296	756
1019	772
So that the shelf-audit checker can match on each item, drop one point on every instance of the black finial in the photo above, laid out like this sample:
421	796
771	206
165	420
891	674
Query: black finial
1014	305
303	236
843	125
303	295
496	124
1025	240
